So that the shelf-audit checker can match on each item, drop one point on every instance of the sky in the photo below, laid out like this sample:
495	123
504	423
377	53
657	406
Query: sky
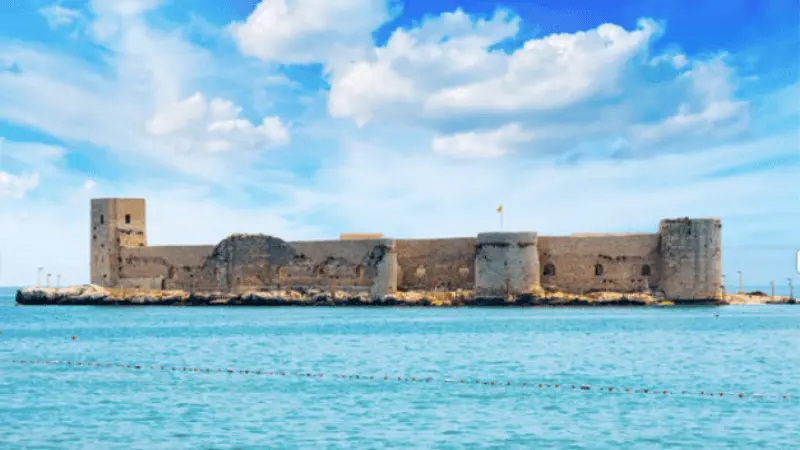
303	119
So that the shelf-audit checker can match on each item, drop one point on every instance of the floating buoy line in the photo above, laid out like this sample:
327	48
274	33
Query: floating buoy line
407	379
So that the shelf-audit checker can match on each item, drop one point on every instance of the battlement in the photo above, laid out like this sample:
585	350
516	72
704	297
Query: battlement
682	260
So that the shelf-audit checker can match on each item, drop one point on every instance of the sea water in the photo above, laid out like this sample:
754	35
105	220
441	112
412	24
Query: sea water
748	349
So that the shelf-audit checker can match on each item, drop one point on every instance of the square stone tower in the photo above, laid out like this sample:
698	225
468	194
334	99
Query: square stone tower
115	223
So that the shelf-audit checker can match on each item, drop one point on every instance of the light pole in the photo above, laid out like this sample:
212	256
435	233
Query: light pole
772	286
48	281
724	284
791	293
741	290
39	277
58	281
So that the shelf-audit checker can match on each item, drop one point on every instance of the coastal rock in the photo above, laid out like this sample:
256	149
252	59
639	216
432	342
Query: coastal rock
89	294
96	295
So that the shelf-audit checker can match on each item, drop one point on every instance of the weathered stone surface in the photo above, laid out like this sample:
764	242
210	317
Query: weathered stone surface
681	262
95	295
507	264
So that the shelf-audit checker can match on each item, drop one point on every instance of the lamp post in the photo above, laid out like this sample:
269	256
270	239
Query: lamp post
39	277
48	280
791	293
58	281
741	290
724	284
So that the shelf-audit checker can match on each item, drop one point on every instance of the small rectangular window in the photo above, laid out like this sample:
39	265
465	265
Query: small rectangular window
101	219
127	218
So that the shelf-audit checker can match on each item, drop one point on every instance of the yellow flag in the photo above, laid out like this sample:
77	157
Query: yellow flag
500	208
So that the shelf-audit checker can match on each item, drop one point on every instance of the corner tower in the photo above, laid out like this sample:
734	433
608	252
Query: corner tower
691	258
115	223
507	264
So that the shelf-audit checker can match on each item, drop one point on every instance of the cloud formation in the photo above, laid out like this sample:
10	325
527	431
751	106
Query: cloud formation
308	31
421	135
213	126
16	186
58	16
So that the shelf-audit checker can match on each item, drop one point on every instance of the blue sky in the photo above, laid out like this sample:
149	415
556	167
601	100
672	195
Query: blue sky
306	118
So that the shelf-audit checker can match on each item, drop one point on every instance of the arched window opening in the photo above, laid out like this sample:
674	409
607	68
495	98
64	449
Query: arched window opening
359	271
102	219
127	218
598	270
645	270
549	270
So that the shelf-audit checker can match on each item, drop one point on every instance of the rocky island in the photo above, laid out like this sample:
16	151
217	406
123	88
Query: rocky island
98	296
680	263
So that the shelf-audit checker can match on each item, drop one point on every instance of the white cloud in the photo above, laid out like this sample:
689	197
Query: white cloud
149	72
452	70
487	144
16	186
308	31
89	185
563	91
711	112
58	16
197	124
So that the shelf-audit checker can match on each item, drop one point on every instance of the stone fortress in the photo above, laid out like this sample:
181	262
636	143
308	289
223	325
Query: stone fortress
682	261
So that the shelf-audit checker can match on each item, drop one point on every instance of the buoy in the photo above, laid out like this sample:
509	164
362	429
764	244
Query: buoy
74	338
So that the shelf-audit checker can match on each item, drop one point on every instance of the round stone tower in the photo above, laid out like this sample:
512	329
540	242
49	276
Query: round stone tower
507	264
691	258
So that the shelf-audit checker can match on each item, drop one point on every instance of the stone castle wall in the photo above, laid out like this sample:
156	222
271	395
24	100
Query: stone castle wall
617	263
435	264
683	260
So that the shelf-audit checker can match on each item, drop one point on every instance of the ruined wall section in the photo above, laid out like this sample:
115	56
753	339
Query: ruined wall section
691	258
259	262
356	264
435	264
115	224
166	267
586	263
507	264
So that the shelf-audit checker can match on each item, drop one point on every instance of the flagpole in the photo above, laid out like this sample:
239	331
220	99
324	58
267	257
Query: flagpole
500	211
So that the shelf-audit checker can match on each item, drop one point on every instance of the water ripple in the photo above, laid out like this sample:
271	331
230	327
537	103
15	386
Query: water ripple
746	349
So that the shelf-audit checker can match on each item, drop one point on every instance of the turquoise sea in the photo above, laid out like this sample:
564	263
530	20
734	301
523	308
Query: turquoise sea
748	349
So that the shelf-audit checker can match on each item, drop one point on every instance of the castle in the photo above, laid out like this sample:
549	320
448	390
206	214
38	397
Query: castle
682	260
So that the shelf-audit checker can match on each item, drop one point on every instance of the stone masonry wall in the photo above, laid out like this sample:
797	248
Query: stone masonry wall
116	223
244	262
507	264
691	258
581	264
180	267
683	260
430	264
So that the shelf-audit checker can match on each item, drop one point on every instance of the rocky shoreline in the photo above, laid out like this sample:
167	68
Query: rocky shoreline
92	295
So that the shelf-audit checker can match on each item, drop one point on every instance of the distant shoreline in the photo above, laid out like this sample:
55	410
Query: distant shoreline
91	295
